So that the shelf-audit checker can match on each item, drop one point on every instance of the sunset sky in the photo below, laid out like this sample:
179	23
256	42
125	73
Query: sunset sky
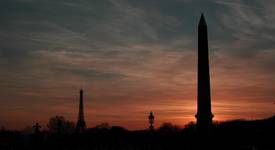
132	57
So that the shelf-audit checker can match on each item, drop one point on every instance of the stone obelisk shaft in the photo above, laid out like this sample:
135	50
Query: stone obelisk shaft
204	115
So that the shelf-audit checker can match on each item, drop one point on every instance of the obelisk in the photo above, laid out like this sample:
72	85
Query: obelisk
204	115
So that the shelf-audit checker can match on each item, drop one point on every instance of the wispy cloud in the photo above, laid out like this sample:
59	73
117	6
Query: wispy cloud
238	4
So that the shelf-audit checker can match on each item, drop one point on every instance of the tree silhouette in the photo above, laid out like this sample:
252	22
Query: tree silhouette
168	127
58	124
103	126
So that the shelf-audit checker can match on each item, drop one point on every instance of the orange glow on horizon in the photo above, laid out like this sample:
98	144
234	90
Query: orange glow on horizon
134	117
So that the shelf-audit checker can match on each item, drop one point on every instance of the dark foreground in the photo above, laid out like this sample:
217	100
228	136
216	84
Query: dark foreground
233	135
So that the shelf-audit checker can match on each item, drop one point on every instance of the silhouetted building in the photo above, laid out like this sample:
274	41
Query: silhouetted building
80	125
151	118
36	139
204	115
36	128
